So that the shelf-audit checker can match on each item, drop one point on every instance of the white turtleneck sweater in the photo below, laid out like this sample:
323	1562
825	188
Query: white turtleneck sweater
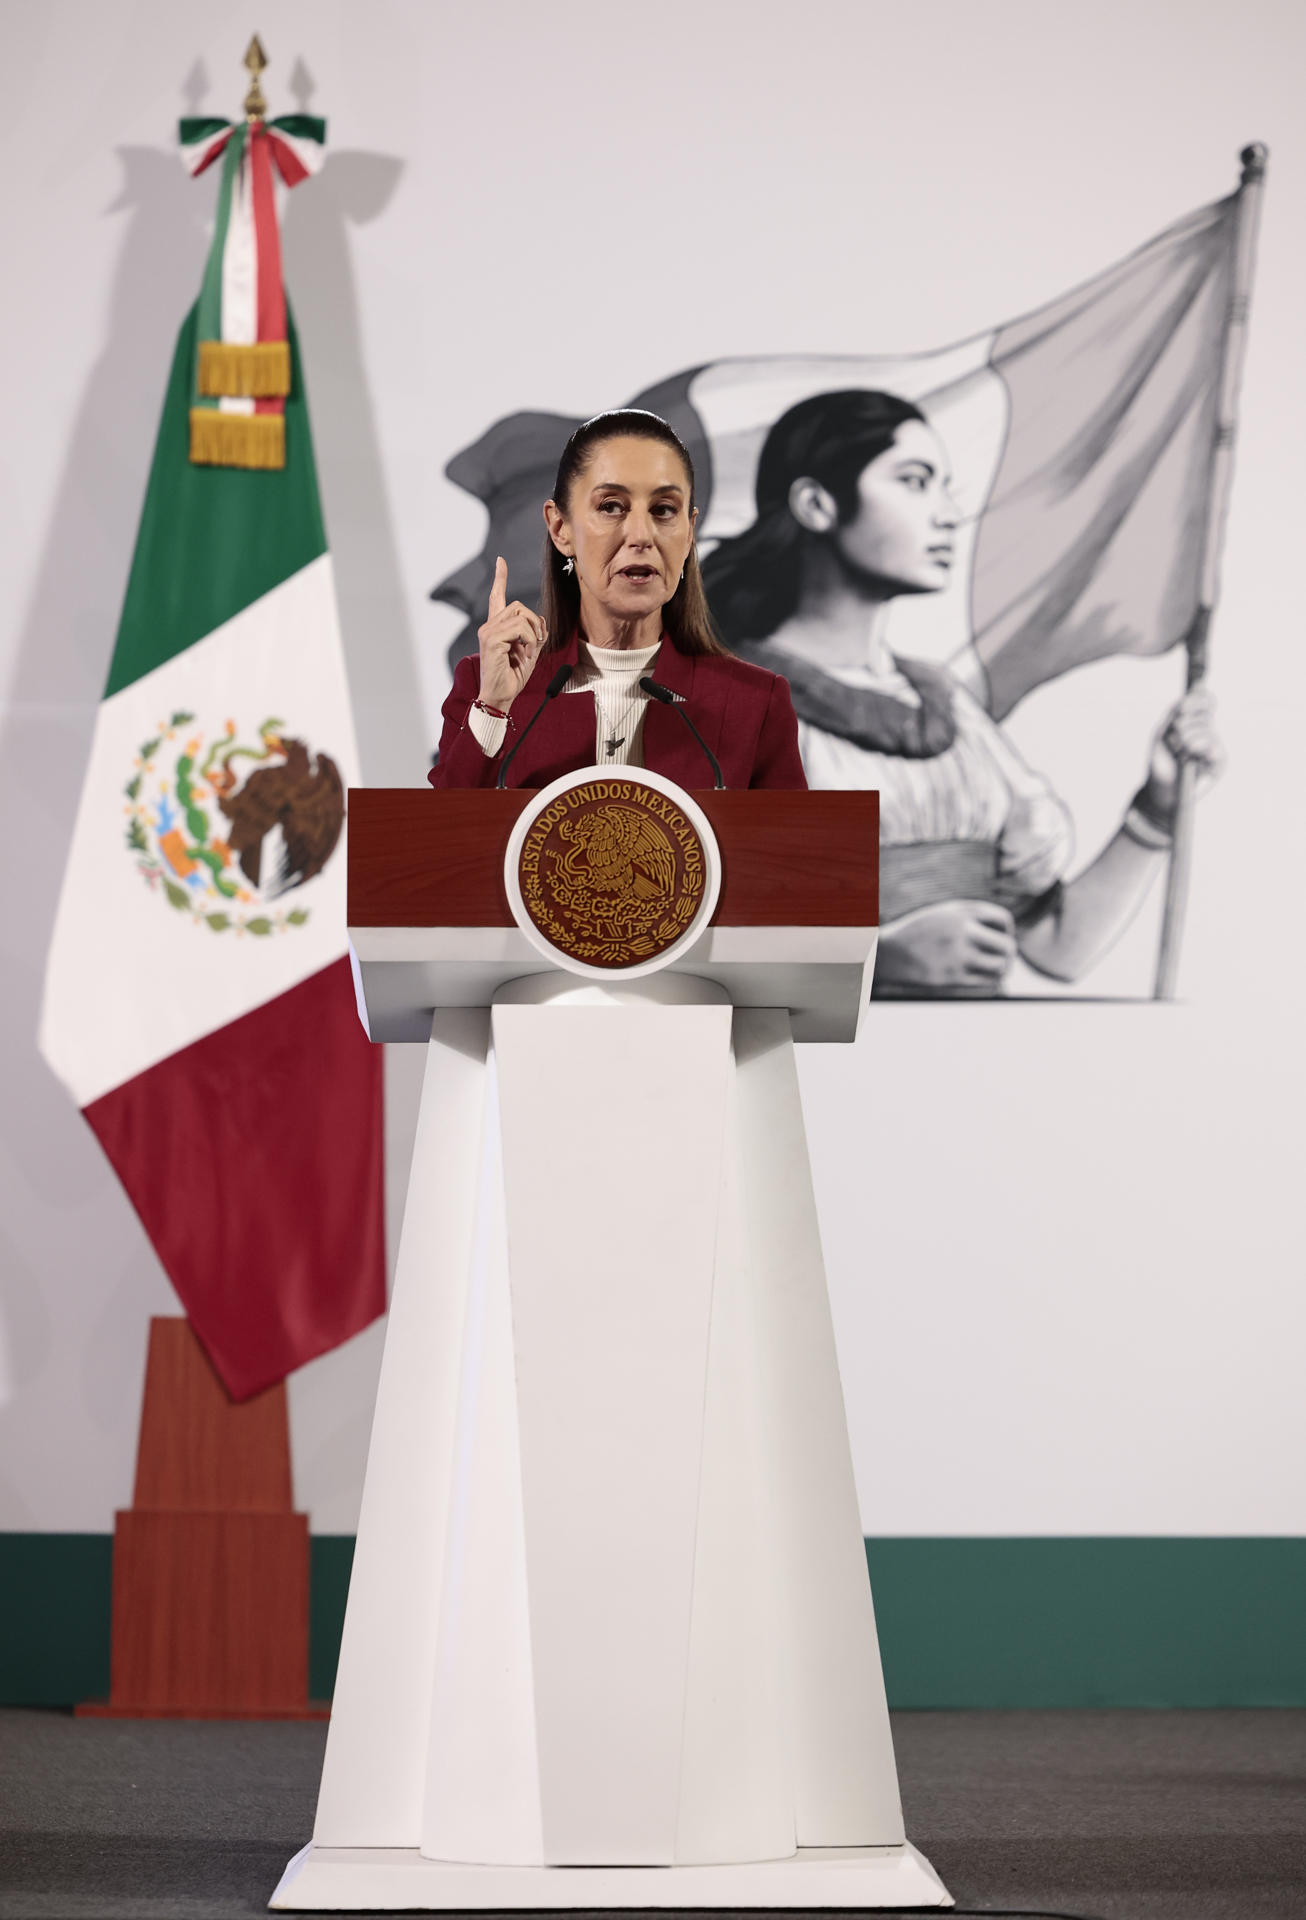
612	676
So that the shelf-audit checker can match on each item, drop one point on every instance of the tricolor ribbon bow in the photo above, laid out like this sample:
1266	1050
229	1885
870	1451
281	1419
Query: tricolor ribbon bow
242	371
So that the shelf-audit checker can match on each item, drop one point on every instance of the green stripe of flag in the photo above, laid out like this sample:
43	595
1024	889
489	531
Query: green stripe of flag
212	539
195	127
301	126
210	303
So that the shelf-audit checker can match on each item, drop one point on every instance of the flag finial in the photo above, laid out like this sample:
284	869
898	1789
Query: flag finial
256	60
242	359
1253	160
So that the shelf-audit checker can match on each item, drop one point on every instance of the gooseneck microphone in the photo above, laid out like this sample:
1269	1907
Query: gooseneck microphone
554	688
669	699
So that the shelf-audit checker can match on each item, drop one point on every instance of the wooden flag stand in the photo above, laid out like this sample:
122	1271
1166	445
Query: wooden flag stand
210	1563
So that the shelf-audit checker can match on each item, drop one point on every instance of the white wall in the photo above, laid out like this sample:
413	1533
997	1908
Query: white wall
1059	1236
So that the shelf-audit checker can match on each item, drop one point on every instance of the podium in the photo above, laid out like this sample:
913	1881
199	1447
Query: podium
609	1639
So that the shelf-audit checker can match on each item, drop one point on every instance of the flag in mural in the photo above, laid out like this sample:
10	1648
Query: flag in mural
1067	466
198	1002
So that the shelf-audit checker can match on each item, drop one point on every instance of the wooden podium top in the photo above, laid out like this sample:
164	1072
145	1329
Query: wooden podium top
430	925
434	857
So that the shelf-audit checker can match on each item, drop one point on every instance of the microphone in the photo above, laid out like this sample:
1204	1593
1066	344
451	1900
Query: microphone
676	703
555	686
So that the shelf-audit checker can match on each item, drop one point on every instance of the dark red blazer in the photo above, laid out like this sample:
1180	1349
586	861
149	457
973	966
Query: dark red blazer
743	712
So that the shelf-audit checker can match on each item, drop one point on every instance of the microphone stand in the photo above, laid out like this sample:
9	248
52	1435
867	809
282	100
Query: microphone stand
669	699
551	692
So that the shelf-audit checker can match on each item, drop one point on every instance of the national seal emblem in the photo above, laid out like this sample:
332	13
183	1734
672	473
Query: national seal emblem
611	872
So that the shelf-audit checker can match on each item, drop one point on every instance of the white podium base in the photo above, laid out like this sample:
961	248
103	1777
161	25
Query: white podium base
610	1640
383	1879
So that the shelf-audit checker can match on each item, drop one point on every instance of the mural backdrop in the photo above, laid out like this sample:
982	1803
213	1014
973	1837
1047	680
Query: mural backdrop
918	542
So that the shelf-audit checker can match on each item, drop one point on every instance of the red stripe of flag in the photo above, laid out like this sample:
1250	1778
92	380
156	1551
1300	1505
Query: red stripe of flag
254	1159
219	146
289	164
267	242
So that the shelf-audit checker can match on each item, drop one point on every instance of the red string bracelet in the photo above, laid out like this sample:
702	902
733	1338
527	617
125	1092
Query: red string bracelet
495	713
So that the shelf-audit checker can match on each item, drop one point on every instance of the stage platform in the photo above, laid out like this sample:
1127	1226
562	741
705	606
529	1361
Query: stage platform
1126	1815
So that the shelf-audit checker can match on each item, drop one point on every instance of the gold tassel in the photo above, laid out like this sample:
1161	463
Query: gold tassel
220	439
260	371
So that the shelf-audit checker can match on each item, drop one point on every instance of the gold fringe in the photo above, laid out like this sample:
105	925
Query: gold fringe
260	371
220	439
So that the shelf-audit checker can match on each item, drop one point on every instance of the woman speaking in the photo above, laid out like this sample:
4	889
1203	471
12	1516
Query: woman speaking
623	602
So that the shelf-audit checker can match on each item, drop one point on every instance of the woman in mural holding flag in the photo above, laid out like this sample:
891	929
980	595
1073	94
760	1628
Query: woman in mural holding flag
854	509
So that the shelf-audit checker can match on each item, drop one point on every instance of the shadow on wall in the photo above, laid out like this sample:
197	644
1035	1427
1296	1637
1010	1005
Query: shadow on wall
352	189
332	1421
66	1201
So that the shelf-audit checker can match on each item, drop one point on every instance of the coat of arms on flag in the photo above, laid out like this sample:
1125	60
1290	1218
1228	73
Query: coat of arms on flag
215	840
199	1005
919	541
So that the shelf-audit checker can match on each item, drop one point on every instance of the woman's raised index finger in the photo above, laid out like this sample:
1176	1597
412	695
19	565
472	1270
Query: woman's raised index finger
499	591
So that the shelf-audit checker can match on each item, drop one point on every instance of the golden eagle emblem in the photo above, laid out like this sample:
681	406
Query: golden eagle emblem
612	872
622	855
224	827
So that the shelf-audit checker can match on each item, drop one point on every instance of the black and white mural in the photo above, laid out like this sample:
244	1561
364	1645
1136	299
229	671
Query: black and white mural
919	543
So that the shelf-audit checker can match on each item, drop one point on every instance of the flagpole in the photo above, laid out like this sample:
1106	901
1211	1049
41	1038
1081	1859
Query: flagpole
1248	216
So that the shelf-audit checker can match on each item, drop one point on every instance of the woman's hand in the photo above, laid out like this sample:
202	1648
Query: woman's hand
511	640
959	943
1186	734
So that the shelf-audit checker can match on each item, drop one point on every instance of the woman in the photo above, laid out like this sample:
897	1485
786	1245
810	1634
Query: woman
854	507
623	599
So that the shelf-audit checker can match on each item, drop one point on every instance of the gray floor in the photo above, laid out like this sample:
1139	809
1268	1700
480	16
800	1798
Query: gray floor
1126	1815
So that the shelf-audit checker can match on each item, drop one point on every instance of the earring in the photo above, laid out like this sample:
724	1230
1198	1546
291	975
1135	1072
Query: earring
570	566
682	573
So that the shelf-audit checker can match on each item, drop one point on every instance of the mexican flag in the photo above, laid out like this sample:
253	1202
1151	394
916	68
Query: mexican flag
198	999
